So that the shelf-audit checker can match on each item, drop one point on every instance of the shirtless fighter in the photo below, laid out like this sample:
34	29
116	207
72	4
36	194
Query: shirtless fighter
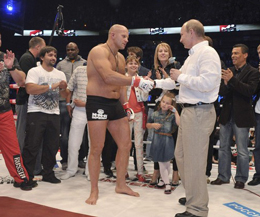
106	92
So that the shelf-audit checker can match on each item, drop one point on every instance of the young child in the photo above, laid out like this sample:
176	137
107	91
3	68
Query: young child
164	121
136	97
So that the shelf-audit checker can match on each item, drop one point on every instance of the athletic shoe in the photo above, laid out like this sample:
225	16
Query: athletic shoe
82	164
51	179
66	176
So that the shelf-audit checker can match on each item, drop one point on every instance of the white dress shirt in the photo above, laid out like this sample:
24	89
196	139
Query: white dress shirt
200	77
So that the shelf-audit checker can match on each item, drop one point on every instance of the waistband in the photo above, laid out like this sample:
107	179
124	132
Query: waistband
163	134
100	99
184	105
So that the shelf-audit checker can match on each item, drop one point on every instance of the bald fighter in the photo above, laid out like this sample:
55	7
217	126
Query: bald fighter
106	107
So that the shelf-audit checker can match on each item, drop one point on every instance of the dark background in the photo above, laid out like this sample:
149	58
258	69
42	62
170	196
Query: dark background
99	15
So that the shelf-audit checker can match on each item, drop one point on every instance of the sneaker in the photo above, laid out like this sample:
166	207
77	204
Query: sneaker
108	172
66	176
32	183
82	164
64	166
51	179
255	181
140	177
26	186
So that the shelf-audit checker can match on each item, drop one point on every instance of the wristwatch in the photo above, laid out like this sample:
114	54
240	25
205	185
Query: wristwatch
11	69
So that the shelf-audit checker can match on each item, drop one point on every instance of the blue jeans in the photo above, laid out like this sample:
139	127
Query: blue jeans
257	147
242	138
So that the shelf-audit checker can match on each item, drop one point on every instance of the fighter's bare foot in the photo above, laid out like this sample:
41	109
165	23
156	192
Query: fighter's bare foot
126	190
92	200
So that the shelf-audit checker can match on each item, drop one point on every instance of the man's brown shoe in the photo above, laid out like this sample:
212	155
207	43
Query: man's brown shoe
239	185
218	182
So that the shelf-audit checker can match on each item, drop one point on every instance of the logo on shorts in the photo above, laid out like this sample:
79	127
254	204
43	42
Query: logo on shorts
99	115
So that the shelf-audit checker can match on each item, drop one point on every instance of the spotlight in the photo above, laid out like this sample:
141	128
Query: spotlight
9	7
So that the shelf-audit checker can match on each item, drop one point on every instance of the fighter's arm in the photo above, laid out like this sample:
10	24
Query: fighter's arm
123	99
123	95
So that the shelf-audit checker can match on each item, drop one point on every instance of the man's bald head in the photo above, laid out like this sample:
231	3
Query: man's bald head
72	50
117	28
117	37
72	44
196	26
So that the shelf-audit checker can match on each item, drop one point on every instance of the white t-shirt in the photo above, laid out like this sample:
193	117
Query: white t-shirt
47	102
257	107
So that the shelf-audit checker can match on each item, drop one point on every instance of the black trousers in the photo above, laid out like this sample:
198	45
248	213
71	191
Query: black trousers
41	128
65	121
109	151
210	151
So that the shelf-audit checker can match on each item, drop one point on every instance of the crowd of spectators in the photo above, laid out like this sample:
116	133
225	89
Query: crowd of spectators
100	15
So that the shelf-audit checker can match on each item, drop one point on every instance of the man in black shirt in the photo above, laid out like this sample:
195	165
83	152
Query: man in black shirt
27	61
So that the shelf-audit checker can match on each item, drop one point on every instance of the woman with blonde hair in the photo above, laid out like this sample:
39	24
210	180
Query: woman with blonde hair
163	62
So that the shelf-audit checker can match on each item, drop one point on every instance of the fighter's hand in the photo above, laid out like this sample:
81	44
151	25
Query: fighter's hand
174	74
9	59
130	113
145	85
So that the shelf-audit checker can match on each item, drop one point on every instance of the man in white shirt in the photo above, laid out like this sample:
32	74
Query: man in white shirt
44	84
77	93
199	80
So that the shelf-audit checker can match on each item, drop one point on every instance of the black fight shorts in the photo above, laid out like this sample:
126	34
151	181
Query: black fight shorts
100	108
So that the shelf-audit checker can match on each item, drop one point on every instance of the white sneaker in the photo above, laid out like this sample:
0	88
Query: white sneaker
66	176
